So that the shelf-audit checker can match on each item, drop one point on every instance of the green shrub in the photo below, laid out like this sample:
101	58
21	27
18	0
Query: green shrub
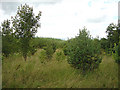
59	55
49	51
10	45
33	48
116	55
42	56
83	52
65	49
41	42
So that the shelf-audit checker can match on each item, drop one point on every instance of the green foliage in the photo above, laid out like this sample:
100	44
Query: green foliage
9	45
112	37
6	38
96	41
42	56
6	29
33	48
59	55
113	34
25	24
116	55
104	43
49	50
40	42
65	49
9	42
83	52
48	44
54	74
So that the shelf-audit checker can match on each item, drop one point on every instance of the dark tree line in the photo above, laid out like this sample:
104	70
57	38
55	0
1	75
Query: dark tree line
111	44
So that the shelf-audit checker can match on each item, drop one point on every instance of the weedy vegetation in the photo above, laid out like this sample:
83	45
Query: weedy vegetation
37	62
39	72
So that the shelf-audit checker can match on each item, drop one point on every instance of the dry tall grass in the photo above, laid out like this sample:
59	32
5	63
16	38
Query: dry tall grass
16	73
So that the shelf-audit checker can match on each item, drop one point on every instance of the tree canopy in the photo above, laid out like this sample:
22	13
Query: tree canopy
25	24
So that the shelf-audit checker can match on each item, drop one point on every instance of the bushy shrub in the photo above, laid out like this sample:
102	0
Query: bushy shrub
42	56
59	55
10	45
116	54
49	51
40	42
33	48
65	50
83	52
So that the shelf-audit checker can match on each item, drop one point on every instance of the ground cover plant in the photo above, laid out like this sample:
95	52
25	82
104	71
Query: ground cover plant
34	73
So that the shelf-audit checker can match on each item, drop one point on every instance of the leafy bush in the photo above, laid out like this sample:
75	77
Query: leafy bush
42	56
116	55
33	48
59	55
10	45
49	51
65	49
40	42
83	52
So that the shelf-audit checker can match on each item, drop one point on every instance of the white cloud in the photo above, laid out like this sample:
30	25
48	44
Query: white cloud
64	18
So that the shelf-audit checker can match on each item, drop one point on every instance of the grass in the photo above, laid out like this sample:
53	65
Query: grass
16	73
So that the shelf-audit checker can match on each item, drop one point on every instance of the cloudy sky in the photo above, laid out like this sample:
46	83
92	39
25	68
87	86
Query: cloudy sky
63	18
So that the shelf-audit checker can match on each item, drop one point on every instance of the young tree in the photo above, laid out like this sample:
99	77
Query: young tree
84	52
25	24
112	37
7	38
113	34
50	49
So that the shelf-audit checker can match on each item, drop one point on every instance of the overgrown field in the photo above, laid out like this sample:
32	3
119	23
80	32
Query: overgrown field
38	62
40	72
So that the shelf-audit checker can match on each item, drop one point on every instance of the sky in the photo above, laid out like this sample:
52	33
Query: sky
64	18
